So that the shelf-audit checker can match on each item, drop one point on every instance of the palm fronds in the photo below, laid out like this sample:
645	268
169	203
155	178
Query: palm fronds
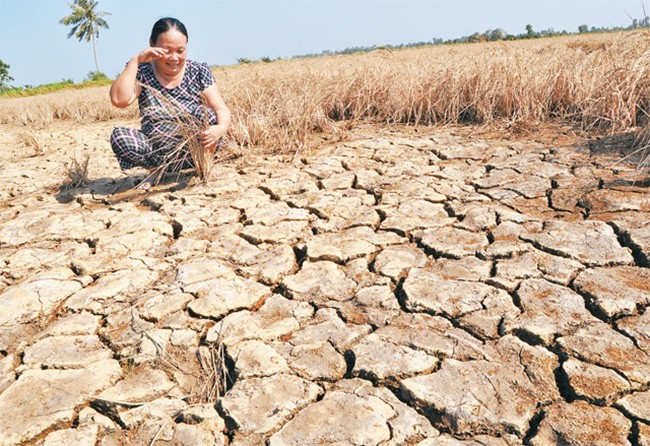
85	20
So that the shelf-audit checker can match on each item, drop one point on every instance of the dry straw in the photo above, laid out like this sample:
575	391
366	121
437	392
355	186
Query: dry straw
31	140
84	105
215	378
178	141
76	173
640	154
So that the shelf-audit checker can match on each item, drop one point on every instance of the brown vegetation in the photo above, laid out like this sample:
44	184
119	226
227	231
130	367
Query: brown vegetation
88	104
76	173
597	81
30	140
183	129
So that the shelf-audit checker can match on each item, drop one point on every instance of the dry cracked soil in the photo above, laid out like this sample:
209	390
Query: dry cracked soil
403	287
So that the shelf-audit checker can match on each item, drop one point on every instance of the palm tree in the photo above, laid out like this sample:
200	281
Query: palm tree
86	22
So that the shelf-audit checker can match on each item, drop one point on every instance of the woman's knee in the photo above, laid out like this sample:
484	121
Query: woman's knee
120	137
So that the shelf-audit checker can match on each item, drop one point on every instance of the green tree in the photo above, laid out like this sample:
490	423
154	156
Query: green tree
583	29
530	33
476	37
4	74
495	34
85	22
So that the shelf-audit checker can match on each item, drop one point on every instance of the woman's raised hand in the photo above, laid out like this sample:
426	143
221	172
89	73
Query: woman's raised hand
151	53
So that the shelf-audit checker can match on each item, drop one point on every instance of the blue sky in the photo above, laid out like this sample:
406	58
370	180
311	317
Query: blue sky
221	31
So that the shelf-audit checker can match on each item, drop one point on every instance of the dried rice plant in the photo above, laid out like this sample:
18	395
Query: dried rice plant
83	105
601	82
215	377
211	381
228	151
76	173
179	141
598	81
29	139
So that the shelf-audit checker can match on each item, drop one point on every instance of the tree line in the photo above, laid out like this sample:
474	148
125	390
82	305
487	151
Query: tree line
490	35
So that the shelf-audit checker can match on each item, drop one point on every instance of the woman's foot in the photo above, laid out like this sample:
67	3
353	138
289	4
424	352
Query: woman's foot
144	185
150	180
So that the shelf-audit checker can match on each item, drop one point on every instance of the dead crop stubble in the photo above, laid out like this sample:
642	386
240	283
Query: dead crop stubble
76	173
31	140
598	81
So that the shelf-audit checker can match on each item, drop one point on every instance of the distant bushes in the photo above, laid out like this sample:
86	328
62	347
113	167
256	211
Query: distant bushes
93	79
95	76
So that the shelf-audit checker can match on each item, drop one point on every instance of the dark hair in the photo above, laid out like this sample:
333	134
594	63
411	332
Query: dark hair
165	24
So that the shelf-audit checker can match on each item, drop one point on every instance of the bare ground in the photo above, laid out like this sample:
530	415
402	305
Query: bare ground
405	286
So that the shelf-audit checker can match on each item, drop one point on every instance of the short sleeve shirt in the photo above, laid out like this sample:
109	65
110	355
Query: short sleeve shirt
196	78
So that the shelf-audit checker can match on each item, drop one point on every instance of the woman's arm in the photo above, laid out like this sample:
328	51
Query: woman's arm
210	138
124	89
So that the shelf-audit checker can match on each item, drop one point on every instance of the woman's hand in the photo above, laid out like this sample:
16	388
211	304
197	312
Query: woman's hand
125	89
151	53
210	138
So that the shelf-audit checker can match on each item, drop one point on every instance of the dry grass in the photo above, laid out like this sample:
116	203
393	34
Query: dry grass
88	104
31	141
212	378
76	173
643	153
215	377
183	129
596	81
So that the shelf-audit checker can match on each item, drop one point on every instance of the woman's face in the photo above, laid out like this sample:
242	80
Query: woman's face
175	43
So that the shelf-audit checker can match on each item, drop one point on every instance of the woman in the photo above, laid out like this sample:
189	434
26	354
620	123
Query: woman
168	78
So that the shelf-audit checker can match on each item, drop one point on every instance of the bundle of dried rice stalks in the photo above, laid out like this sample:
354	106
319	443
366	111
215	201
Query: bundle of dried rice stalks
215	378
76	174
29	139
179	141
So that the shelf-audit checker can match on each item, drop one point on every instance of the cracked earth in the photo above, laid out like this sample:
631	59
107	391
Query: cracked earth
400	288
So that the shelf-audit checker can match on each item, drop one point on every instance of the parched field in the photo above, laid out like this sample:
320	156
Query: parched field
426	247
596	81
